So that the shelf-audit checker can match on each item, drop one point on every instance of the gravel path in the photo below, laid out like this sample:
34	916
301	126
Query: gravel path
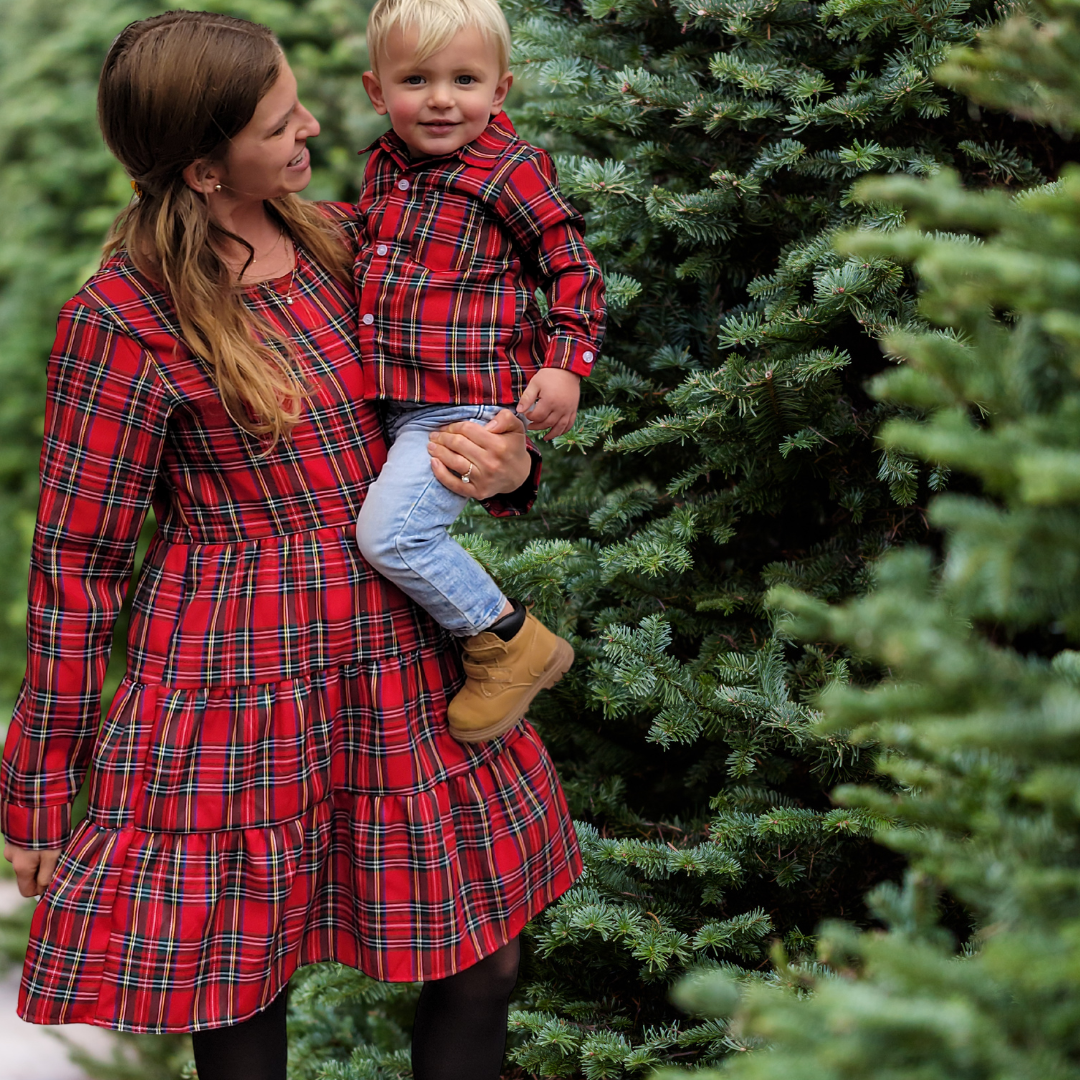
30	1051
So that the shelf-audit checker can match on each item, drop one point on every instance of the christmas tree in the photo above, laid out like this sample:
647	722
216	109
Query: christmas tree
727	446
978	721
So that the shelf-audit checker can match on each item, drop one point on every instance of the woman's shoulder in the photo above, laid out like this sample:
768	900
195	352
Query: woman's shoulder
121	298
119	290
343	212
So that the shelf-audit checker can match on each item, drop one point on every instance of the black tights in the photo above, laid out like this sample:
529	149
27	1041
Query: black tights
254	1049
459	1032
460	1028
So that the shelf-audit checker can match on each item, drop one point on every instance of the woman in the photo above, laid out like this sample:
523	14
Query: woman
274	783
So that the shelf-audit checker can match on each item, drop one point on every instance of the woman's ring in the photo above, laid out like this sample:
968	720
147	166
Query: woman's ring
465	476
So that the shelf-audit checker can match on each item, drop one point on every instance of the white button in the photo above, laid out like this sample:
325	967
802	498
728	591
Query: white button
381	249
369	319
403	184
587	356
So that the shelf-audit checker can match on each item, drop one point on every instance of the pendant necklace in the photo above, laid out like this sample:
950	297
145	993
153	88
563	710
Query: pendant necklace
287	295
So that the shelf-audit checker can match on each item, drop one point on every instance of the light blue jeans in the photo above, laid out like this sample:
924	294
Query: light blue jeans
403	525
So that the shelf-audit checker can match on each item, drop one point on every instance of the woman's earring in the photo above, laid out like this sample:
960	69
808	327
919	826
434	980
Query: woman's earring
217	187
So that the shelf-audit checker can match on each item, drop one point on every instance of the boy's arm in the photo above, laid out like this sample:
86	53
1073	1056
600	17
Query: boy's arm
549	229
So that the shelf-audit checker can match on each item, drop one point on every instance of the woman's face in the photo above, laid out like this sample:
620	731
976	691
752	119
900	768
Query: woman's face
269	157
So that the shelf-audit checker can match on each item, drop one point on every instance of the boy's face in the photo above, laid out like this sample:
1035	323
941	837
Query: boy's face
439	104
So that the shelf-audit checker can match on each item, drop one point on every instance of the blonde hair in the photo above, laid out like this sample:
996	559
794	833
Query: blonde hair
176	88
436	22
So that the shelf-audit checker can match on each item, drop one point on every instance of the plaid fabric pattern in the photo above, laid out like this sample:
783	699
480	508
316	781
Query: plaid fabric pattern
274	783
453	251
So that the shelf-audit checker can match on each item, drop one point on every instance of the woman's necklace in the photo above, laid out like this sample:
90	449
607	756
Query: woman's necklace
267	284
287	295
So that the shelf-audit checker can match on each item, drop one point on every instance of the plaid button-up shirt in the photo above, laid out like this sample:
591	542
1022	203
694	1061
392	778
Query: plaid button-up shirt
453	250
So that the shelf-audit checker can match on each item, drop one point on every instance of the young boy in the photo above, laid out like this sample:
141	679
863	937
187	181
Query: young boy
463	222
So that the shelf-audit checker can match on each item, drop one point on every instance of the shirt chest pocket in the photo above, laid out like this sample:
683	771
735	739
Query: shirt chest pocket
450	233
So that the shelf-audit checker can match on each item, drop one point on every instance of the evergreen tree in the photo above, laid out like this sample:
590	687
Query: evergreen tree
727	446
979	722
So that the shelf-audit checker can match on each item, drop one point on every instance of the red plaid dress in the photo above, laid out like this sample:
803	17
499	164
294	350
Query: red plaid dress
274	783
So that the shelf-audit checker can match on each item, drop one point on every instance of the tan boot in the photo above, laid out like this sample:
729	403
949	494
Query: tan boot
504	677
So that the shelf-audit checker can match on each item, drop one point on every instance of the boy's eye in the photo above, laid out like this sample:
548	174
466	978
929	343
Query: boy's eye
414	80
466	80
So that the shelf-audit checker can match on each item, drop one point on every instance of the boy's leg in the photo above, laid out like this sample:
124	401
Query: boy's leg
402	531
403	528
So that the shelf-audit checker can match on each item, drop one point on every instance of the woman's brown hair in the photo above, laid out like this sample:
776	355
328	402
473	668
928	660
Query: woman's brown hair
176	88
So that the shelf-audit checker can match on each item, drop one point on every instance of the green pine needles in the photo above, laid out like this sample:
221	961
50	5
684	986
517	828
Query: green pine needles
727	446
979	720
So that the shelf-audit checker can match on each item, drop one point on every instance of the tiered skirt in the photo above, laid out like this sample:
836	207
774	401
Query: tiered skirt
237	833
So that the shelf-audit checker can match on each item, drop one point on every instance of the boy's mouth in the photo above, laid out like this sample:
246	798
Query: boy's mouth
438	125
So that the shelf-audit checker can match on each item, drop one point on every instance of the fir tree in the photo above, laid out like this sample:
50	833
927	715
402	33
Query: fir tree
979	721
727	446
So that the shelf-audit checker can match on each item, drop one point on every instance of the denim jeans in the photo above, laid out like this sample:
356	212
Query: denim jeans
402	527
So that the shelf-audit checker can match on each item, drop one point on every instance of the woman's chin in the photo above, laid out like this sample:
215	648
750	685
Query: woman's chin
294	181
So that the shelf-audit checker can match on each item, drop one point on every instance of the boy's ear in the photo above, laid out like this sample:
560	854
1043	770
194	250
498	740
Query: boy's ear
501	91
374	91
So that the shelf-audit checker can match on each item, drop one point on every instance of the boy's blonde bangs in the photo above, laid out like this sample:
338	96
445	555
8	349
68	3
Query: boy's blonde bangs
436	22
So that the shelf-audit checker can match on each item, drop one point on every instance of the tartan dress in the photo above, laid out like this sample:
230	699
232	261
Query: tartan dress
274	783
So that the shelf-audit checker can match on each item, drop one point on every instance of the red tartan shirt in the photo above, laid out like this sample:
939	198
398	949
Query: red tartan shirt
453	250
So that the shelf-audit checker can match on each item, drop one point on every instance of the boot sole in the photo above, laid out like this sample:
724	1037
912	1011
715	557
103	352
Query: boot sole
557	666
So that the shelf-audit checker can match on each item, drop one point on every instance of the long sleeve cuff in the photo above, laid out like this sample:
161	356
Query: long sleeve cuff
571	354
36	828
517	503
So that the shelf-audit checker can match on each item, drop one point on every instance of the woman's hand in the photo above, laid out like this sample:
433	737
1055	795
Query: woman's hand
33	869
493	456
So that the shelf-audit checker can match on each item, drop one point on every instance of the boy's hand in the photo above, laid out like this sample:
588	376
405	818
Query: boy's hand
550	401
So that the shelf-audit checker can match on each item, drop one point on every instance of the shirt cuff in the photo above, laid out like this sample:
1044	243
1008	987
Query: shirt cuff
36	828
516	503
571	354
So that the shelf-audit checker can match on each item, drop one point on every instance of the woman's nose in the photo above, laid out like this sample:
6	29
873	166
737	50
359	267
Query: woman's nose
309	126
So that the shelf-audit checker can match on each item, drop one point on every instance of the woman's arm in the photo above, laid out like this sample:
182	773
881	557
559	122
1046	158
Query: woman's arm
105	422
497	456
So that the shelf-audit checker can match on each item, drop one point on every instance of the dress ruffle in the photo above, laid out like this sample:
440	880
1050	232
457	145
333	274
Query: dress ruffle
149	931
237	832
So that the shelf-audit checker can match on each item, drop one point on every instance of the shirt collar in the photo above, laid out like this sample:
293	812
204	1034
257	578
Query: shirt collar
484	151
